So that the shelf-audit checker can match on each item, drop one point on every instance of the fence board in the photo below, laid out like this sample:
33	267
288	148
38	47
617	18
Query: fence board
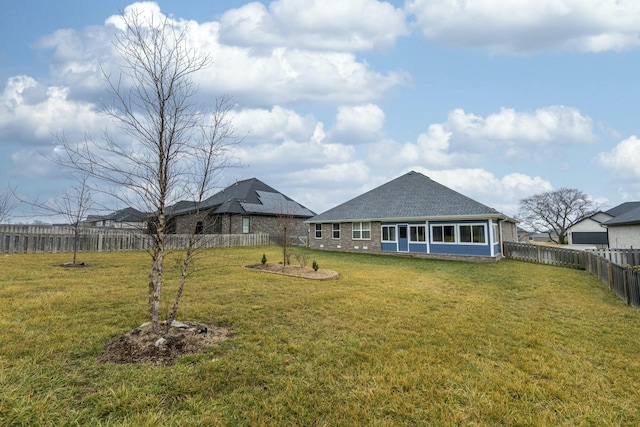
622	257
60	239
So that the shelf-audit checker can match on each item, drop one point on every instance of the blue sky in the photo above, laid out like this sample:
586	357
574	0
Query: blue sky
498	100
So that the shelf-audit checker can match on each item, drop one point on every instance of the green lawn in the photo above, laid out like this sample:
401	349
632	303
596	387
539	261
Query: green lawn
394	341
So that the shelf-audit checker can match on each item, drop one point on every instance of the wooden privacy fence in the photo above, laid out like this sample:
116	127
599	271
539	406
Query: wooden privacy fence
622	257
46	239
623	280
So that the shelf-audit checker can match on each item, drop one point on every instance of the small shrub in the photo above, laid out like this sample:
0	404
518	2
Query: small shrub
287	259
264	259
315	265
302	258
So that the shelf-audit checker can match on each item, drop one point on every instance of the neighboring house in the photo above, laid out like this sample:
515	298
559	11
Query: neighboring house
624	230
589	231
248	206
413	215
129	218
523	235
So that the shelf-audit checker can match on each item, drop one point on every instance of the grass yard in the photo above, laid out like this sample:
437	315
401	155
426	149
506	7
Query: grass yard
394	341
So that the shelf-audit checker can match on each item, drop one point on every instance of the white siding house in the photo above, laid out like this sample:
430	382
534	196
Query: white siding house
624	230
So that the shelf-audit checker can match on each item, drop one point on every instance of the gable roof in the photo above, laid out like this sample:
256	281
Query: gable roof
250	196
623	208
594	218
410	196
629	217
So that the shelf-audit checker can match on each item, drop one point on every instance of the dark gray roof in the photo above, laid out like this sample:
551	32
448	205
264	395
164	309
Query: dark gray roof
629	217
411	196
123	215
623	208
250	196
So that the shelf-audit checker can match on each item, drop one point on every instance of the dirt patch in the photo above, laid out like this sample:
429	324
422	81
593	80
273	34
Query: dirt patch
295	271
142	345
74	265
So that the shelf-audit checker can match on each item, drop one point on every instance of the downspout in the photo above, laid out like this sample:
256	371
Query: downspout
500	242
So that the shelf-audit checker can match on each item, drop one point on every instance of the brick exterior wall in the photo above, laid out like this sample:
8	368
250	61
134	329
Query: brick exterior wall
232	224
345	243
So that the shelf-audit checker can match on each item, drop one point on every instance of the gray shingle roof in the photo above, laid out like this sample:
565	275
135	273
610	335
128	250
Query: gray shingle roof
623	208
630	217
410	196
250	196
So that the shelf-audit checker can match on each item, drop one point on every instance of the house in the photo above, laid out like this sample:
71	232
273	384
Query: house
542	237
128	218
523	235
624	230
248	206
589	230
413	215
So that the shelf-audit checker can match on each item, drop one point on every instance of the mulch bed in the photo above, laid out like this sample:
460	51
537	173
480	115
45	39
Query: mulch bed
295	271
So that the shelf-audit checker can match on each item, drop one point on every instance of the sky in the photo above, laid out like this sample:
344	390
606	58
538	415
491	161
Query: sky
496	99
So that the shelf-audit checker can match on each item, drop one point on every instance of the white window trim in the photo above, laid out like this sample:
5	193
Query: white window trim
455	232
423	242
315	231
353	229
472	224
248	222
338	230
395	233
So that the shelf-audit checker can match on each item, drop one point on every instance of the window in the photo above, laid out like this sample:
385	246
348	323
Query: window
245	225
472	234
318	229
443	233
494	233
417	233
388	233
217	225
361	230
199	227
335	231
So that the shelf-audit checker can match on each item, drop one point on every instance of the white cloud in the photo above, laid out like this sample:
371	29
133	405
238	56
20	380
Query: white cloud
279	74
623	161
530	25
432	149
467	139
502	194
284	76
332	25
32	114
260	125
359	123
280	140
556	123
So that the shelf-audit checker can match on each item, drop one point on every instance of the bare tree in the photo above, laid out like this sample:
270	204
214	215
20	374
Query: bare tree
176	147
7	204
287	223
72	206
555	211
290	226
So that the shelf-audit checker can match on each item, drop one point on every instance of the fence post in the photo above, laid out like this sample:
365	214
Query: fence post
610	275
625	282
